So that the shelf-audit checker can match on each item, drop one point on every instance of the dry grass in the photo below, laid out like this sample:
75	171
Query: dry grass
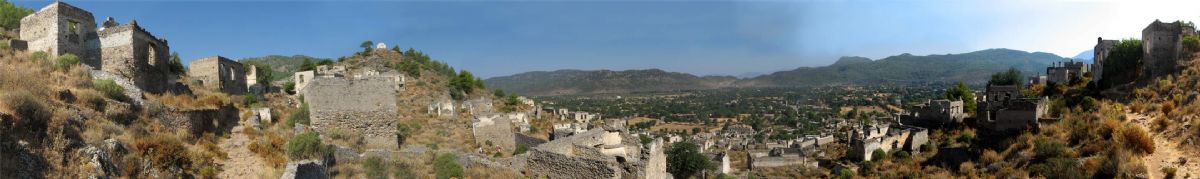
1137	139
201	100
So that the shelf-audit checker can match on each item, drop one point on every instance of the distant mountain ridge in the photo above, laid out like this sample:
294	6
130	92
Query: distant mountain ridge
566	82
973	68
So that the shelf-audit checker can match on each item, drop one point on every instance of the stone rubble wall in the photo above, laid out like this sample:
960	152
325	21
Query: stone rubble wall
366	106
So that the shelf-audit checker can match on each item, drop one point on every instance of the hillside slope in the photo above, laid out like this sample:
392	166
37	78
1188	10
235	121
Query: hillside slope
973	68
566	82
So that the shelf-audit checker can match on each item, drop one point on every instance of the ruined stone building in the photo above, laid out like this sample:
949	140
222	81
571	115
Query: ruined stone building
495	131
1162	46
936	113
1101	51
1064	72
868	138
1003	110
598	153
124	50
365	106
219	73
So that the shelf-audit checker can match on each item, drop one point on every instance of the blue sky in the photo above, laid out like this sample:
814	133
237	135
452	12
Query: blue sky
704	38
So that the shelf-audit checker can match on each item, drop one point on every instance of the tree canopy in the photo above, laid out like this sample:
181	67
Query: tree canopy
10	14
684	160
1123	63
963	93
1010	77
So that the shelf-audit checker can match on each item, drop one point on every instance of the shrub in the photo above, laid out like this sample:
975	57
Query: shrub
1169	171
966	136
1161	123
306	146
39	56
375	168
878	155
404	130
109	88
208	172
1058	168
685	160
249	99
1089	103
1137	139
845	173
990	157
1192	43
290	87
521	148
902	155
66	61
300	116
167	151
446	166
30	112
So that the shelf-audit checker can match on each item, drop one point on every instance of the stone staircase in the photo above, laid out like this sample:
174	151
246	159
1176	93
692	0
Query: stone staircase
132	91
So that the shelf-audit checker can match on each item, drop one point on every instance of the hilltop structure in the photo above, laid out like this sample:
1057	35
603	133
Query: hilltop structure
124	50
219	73
1162	46
1103	47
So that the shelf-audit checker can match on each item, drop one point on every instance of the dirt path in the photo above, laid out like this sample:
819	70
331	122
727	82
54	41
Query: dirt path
241	162
1166	154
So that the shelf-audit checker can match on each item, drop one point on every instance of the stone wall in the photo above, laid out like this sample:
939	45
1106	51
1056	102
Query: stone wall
197	121
219	73
496	129
1103	47
366	106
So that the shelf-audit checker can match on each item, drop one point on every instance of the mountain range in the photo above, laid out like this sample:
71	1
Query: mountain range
904	69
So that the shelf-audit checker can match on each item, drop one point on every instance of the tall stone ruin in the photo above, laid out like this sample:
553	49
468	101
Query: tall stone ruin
125	50
1162	46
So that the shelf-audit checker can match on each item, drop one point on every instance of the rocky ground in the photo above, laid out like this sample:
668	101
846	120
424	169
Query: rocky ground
240	161
1167	153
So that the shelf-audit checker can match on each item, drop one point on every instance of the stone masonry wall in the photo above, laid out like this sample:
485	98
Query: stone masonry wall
219	73
496	129
365	106
49	30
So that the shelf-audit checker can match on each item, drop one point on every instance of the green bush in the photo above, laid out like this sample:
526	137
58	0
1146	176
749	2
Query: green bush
966	137
375	168
446	166
1192	43
109	88
298	117
39	55
684	160
521	148
4	45
1123	63
290	87
306	146
903	155
249	99
404	130
66	61
1058	168
845	173
878	155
